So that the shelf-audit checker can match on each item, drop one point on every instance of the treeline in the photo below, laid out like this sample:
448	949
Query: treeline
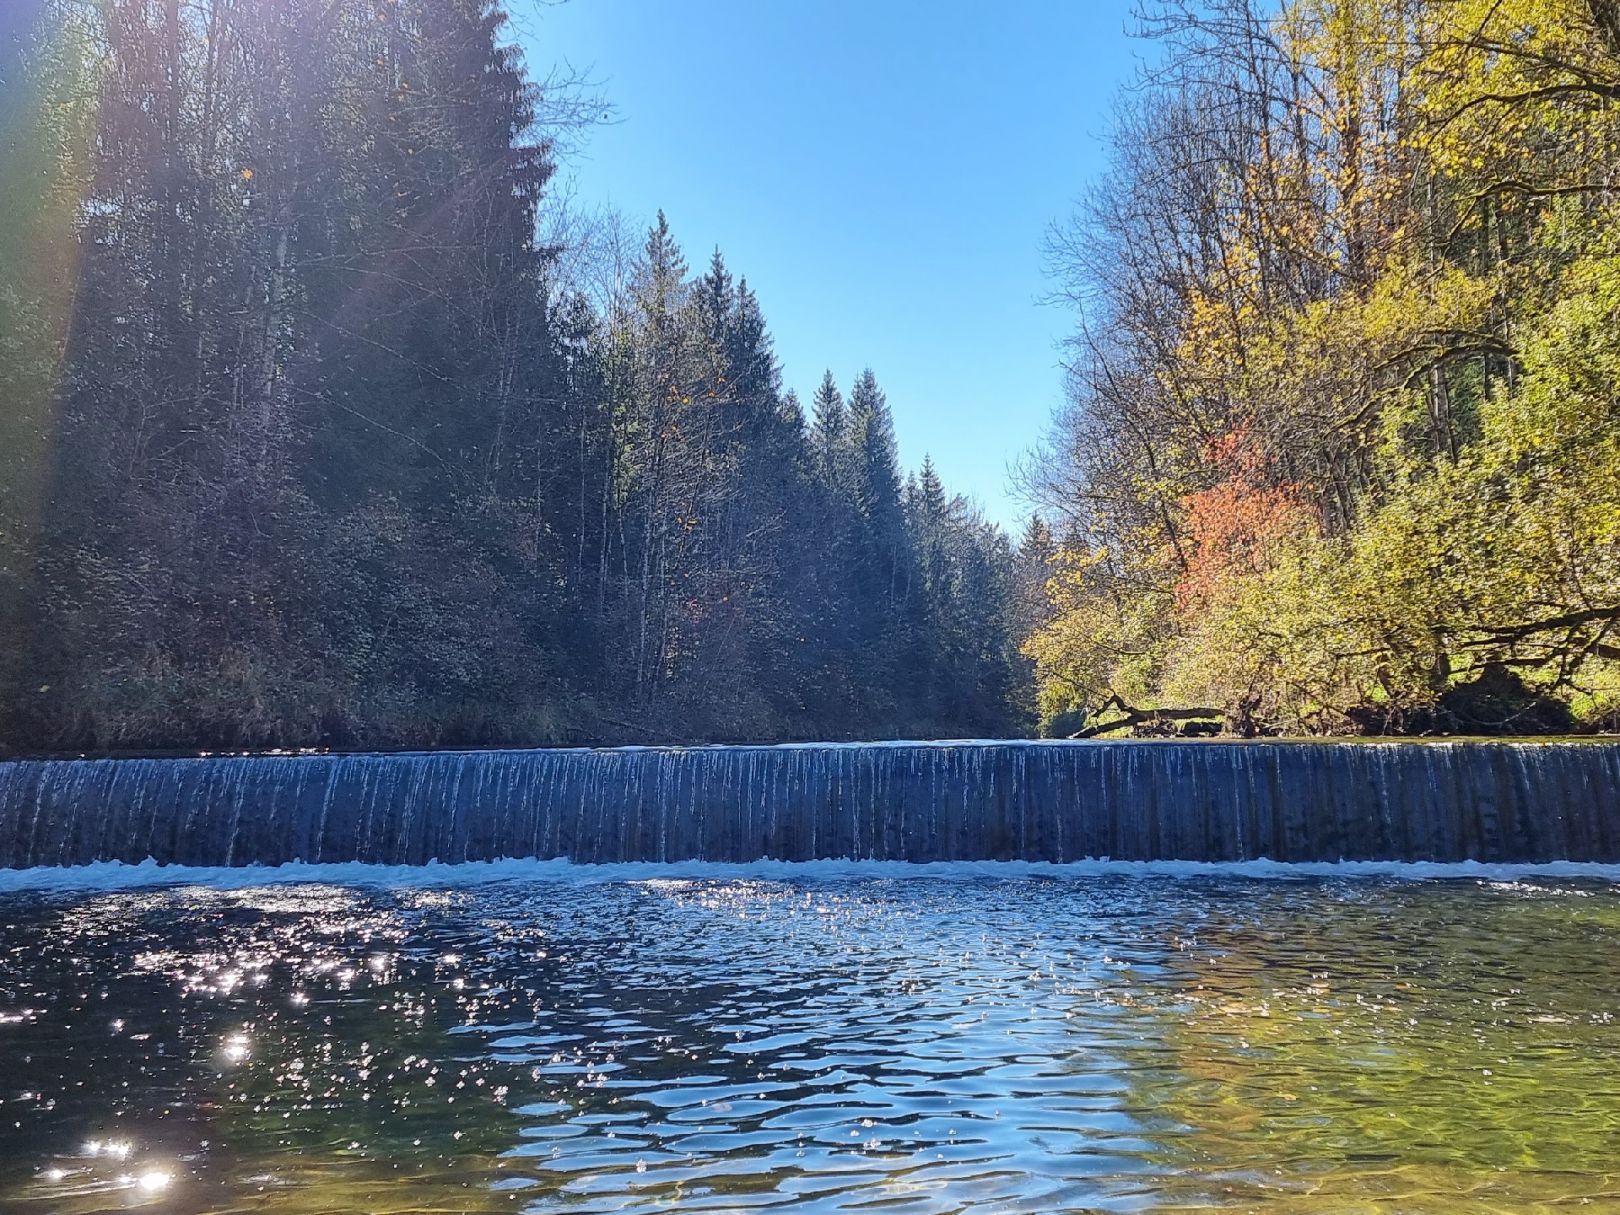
309	440
1342	451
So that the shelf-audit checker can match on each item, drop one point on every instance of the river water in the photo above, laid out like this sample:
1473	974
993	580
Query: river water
735	1042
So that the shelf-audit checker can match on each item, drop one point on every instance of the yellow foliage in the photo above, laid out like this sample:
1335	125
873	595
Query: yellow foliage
1448	395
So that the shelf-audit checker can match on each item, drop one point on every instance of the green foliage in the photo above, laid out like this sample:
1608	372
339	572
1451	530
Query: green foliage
1396	296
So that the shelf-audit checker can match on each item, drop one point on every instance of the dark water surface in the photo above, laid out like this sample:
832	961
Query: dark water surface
877	1045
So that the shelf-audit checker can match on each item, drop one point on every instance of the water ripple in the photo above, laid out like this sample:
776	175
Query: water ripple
841	1045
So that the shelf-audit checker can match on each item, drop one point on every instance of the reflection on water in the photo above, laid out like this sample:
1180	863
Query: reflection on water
900	1046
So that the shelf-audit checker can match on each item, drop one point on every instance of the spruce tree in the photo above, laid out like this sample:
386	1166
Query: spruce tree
341	454
829	433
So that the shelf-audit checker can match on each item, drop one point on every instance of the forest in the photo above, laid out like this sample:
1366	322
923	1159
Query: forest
324	425
312	437
1341	452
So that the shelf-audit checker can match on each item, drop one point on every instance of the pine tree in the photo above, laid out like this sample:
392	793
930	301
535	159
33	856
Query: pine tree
343	455
877	466
829	433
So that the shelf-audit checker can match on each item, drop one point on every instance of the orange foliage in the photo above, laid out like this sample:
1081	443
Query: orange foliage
1233	528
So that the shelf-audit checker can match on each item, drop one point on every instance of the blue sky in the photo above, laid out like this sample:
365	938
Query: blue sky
882	172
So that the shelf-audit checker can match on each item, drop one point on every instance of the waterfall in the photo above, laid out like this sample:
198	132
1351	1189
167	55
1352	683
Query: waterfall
933	801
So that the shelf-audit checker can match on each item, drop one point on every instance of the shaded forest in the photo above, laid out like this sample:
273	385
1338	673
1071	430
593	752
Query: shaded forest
310	439
1342	447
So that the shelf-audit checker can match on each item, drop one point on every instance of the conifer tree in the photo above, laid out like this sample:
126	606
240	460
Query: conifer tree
343	455
829	435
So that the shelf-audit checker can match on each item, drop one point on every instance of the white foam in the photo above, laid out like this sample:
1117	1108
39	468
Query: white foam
117	875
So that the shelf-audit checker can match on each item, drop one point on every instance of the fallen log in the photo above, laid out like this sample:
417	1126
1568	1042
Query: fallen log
1136	717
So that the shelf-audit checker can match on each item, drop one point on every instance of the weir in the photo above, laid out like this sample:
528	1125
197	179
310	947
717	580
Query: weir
933	801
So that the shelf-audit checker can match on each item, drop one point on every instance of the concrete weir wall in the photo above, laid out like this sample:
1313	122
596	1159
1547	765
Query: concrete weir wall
924	801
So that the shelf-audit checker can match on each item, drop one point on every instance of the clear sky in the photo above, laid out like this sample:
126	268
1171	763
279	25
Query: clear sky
882	171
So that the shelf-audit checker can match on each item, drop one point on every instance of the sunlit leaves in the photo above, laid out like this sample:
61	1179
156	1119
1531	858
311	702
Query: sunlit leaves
1396	292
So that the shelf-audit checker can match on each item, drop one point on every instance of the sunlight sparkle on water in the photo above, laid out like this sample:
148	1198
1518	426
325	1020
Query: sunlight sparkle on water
835	1043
